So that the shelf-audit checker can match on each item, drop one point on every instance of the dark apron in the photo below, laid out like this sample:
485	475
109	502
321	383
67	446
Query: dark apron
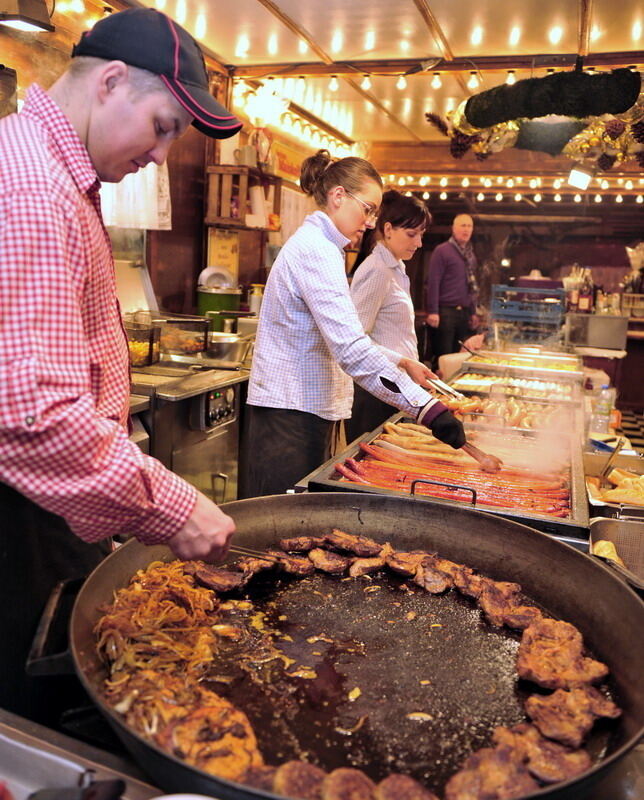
367	414
280	447
37	550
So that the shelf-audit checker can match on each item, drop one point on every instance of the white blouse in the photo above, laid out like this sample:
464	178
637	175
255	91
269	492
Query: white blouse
380	291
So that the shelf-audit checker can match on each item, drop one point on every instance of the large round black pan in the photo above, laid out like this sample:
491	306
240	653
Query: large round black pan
568	584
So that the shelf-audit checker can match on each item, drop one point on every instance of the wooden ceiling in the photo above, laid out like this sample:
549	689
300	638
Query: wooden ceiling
462	41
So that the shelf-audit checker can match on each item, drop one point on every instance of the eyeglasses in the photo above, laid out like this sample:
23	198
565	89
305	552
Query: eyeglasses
370	211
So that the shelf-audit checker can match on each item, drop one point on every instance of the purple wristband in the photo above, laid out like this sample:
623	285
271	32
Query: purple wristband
428	415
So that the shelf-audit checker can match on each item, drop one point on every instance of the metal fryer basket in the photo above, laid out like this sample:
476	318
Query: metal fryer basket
628	537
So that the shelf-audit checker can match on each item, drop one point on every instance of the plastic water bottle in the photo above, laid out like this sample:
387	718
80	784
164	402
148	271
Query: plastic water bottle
603	407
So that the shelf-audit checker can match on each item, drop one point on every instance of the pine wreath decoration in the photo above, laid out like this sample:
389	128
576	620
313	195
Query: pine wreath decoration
603	118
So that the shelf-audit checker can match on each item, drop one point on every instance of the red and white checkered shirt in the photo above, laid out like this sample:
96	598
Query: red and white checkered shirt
64	383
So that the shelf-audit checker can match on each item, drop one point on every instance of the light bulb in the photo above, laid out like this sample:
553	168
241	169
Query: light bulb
443	181
598	198
480	197
366	83
436	81
498	197
517	197
628	185
426	195
401	83
557	198
443	195
577	198
537	198
512	78
639	199
473	81
333	84
619	198
465	182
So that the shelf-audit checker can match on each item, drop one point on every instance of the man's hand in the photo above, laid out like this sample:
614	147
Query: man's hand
418	372
433	320
205	535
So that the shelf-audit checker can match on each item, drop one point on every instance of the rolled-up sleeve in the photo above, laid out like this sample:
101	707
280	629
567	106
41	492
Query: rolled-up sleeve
63	373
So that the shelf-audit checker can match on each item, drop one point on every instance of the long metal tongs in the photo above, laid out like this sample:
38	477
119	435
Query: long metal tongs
445	389
603	475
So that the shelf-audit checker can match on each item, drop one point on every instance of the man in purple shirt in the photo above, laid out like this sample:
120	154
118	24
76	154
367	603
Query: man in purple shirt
452	289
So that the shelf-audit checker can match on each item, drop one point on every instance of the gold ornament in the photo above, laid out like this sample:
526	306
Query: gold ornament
461	123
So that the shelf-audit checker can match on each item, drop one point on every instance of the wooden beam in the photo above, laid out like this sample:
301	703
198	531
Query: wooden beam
397	66
585	18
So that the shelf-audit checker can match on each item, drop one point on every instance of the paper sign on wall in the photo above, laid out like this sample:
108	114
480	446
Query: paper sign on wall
223	250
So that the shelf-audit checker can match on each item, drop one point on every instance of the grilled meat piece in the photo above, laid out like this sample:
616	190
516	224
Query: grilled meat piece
251	565
405	563
346	783
299	779
294	565
431	579
326	561
301	544
491	774
521	617
219	579
496	598
363	566
550	655
567	716
547	761
468	583
358	545
402	787
260	777
450	568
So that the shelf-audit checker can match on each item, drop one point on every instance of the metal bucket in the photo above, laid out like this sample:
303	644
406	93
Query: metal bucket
212	298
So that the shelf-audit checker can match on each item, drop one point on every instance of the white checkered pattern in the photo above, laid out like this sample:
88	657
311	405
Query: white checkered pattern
310	341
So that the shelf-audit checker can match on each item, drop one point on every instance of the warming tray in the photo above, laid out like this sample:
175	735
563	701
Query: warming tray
535	370
593	464
325	479
467	368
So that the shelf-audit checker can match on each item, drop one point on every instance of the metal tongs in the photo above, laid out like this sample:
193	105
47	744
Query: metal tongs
603	475
445	389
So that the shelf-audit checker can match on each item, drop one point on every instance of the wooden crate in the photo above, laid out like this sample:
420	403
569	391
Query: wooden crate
228	199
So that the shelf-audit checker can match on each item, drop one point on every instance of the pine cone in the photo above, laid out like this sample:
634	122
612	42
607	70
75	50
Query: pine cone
638	131
460	143
614	128
438	122
605	162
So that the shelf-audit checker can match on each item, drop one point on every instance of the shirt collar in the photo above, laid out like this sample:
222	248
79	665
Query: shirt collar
387	257
324	222
42	108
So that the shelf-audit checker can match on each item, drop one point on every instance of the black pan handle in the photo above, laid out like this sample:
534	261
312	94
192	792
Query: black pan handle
446	485
50	654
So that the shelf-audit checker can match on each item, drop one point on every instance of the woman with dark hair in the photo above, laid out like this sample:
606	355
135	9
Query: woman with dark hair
380	291
310	342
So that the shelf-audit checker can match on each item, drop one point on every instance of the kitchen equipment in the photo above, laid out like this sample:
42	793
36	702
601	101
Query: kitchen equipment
607	331
194	421
213	298
627	534
603	475
216	277
593	465
182	334
445	388
143	342
228	346
497	547
326	479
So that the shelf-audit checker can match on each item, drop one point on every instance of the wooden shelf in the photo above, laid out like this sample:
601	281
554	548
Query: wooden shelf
229	193
220	223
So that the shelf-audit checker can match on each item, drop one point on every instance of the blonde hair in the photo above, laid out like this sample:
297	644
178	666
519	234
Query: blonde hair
321	172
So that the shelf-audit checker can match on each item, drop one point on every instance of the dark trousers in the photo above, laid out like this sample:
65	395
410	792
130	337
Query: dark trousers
454	325
367	413
280	447
37	550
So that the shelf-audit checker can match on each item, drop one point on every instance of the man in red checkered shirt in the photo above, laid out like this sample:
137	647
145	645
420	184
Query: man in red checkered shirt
69	476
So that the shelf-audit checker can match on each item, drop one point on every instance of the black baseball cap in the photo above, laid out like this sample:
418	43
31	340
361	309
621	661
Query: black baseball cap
148	39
